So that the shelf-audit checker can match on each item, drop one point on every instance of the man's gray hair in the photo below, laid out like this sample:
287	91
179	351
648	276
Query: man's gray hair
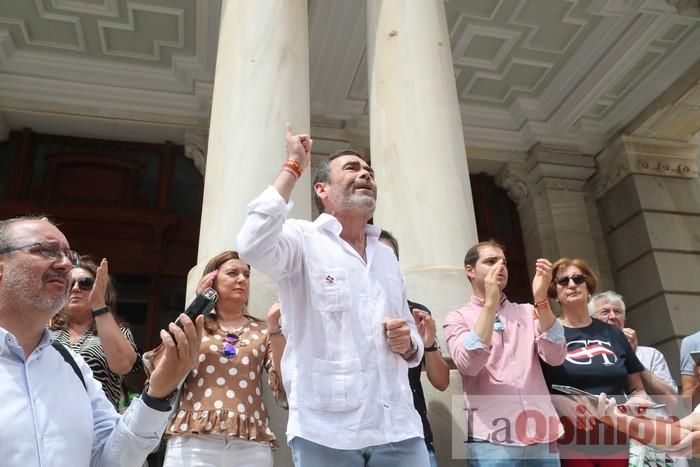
5	237
609	296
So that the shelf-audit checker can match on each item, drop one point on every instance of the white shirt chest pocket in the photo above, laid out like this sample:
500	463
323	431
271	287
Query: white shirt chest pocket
330	290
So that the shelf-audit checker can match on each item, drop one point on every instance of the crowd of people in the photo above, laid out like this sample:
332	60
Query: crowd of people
342	350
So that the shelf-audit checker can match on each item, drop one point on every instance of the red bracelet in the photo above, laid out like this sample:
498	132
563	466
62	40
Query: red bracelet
295	166
291	171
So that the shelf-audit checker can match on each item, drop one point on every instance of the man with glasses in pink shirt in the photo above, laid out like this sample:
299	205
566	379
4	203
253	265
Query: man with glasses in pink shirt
496	346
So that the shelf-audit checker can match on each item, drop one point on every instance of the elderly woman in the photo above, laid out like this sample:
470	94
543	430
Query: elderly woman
88	326
221	419
599	359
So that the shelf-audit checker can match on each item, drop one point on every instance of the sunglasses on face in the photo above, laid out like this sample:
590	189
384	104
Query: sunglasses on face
229	350
84	283
564	280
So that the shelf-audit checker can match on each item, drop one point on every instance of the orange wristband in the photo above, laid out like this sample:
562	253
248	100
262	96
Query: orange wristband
295	166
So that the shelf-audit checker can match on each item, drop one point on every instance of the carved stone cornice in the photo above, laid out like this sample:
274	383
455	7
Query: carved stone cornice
513	179
648	156
557	168
196	141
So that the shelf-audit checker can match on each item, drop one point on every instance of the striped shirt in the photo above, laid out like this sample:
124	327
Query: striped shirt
90	348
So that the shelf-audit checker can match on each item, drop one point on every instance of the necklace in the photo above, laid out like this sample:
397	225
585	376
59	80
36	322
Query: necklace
235	330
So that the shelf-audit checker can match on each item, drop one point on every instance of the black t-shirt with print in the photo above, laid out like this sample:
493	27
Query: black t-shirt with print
598	359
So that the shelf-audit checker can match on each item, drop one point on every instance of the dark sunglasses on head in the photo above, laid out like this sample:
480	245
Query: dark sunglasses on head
564	280
84	283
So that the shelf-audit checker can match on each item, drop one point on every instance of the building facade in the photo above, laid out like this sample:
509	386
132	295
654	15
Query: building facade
586	112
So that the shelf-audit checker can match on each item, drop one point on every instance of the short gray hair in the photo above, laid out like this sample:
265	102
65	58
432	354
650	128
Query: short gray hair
5	238
610	297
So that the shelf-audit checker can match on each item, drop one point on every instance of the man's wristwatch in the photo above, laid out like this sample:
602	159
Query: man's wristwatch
412	350
161	405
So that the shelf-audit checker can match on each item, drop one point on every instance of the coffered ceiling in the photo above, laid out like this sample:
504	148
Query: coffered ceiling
564	72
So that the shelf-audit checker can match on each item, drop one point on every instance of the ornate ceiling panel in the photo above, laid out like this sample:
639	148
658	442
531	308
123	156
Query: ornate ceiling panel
565	72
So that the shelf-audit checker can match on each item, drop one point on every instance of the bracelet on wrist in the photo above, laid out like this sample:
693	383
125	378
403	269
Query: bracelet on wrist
287	169
293	166
433	348
100	311
411	350
274	333
162	405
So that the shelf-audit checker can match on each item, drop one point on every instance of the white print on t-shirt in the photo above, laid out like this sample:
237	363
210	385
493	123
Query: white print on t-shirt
586	349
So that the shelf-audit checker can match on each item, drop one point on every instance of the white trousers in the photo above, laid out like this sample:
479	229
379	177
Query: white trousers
216	451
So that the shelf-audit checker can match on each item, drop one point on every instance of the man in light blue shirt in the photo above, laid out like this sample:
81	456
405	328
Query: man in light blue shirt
49	417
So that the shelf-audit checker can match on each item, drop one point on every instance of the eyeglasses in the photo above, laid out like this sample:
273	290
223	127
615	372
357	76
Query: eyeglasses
577	278
84	283
50	250
611	311
229	351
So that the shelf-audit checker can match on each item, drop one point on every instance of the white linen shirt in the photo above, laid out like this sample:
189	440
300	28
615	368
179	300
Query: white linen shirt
346	388
50	419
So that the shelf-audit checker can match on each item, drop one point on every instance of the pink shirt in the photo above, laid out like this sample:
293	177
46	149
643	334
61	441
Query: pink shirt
506	396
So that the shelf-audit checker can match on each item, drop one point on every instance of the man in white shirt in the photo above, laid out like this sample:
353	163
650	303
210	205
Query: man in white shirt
53	412
609	307
350	335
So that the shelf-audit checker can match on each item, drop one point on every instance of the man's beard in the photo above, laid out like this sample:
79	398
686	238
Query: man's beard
23	288
359	202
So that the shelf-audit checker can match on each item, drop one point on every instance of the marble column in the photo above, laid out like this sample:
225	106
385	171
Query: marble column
417	148
261	82
647	191
418	154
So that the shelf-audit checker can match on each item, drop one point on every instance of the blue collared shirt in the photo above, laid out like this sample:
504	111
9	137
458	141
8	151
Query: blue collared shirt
49	419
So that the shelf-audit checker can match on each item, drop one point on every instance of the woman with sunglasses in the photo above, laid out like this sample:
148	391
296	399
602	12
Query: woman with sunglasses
599	359
221	419
88	325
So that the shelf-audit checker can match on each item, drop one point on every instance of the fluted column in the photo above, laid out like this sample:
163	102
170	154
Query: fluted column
261	82
418	154
417	148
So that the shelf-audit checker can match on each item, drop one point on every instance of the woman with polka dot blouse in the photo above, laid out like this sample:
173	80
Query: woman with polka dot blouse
221	419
